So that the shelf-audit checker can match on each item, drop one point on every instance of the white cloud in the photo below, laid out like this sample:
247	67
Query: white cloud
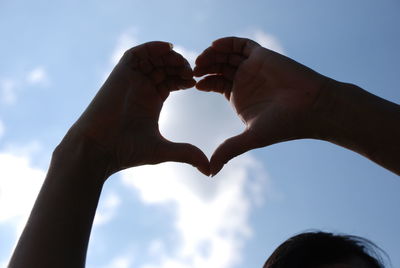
190	55
27	150
267	40
2	129
3	264
20	183
19	186
212	216
9	87
7	91
119	262
107	210
125	41
37	76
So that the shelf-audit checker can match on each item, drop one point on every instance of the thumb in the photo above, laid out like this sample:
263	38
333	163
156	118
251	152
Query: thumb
184	153
229	149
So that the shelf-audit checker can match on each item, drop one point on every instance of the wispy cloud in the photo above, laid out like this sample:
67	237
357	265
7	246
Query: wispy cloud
190	55
107	210
125	41
120	262
20	183
212	216
7	91
266	40
37	76
2	129
11	87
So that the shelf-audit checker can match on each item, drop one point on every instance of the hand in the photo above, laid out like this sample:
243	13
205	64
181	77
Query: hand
122	119
272	94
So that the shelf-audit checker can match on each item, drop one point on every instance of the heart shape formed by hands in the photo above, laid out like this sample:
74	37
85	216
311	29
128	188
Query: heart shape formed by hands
272	94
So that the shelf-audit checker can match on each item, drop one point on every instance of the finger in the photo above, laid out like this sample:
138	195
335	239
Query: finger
174	83
210	57
235	45
150	50
229	149
229	44
249	47
160	74
215	83
140	57
145	66
174	59
157	76
157	48
184	72
235	59
184	153
157	61
219	68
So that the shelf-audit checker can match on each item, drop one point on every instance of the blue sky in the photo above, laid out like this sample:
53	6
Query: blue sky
55	55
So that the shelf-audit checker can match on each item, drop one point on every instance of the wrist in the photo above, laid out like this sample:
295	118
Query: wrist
329	110
80	153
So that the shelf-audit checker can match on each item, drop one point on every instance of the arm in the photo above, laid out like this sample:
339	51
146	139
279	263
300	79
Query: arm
353	118
119	129
279	99
58	229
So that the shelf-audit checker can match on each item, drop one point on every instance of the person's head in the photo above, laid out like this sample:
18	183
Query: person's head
324	250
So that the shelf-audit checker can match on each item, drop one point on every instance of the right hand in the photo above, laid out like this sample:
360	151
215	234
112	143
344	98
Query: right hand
272	94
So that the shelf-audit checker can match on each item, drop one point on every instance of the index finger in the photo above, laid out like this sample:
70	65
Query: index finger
235	45
151	49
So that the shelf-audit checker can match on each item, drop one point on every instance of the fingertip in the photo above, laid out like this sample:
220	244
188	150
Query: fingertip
216	163
217	41
215	168
197	72
204	170
158	48
190	83
200	85
201	161
186	73
222	44
197	159
198	60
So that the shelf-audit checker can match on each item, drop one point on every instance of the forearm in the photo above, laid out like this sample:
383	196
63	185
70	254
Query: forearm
360	121
58	229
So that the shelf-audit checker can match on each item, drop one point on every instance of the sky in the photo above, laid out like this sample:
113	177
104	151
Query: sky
56	54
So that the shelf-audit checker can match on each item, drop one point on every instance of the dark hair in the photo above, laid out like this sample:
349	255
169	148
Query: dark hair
315	249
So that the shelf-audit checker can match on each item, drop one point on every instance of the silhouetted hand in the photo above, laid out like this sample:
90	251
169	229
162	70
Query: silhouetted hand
272	94
123	117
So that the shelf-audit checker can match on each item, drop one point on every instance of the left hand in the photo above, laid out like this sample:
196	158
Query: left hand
122	119
272	94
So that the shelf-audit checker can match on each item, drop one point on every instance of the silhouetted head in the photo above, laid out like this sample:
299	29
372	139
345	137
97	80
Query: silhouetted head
324	250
